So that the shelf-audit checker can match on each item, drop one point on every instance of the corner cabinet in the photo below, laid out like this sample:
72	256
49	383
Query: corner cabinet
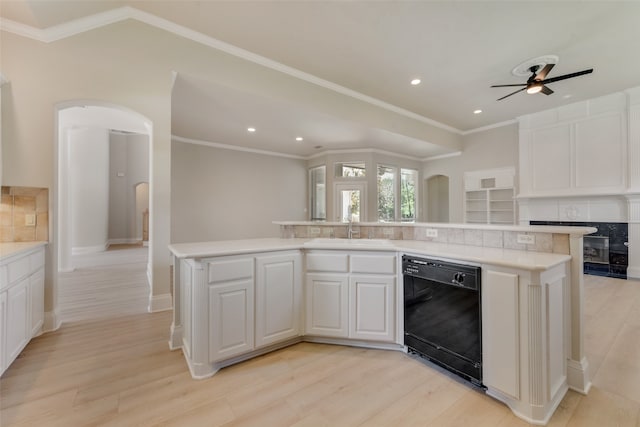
21	302
489	197
231	308
351	295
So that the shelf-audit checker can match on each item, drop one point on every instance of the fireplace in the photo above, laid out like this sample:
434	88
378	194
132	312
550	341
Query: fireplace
606	251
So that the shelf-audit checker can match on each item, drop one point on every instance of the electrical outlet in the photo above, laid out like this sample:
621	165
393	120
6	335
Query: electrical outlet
314	231
432	232
387	231
30	219
527	239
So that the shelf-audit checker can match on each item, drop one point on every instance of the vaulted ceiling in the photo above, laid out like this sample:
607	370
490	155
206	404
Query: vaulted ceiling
458	49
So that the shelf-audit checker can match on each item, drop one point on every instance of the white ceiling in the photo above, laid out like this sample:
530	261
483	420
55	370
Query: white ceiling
458	49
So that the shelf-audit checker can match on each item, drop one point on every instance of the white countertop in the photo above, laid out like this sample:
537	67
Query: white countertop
16	248
473	254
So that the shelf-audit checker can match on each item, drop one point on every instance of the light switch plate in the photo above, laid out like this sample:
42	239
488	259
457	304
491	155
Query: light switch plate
432	232
30	219
527	239
314	231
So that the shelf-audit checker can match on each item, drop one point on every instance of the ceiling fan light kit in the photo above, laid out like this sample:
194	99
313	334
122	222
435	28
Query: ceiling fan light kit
538	68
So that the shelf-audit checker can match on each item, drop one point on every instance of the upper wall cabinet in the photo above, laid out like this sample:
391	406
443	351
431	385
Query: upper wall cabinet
578	149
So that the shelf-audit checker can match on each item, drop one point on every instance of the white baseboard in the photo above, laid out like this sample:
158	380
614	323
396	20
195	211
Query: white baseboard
52	321
578	375
162	302
126	241
82	250
633	272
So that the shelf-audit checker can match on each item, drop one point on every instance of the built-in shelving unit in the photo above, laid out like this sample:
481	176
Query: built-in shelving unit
489	197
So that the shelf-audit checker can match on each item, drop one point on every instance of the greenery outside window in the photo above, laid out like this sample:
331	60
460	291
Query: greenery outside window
408	189
351	170
397	201
318	193
386	193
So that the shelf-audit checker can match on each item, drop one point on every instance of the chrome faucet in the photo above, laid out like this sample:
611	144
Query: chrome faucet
351	231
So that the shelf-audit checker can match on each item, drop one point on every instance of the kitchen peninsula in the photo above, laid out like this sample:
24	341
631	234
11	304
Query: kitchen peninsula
234	300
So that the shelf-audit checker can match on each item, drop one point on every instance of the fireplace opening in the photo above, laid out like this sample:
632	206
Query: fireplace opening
596	249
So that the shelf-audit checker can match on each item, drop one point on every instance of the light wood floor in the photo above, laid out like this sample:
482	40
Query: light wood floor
119	372
105	284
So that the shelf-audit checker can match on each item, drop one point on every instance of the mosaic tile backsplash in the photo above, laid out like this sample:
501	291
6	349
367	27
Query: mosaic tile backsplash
24	214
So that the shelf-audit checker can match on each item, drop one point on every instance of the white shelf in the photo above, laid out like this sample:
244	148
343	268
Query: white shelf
494	205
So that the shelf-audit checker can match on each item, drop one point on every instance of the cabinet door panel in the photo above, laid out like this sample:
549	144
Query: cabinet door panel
230	319
17	319
372	308
500	332
3	330
278	298
37	301
327	305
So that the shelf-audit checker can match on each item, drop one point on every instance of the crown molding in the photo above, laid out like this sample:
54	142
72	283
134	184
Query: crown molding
77	26
488	127
313	156
234	147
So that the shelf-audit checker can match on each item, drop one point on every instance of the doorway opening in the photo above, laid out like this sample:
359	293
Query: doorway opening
436	198
351	202
101	202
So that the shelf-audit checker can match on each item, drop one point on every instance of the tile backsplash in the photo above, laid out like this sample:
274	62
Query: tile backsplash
24	214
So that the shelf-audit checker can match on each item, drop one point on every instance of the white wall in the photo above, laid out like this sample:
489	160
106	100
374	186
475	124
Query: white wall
493	148
220	194
89	188
128	166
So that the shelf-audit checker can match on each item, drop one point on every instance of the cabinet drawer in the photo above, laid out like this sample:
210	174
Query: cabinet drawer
373	263
36	260
224	270
327	261
18	269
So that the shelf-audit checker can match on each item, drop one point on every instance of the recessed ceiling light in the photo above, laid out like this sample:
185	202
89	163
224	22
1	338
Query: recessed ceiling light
251	129
567	96
299	138
415	82
477	111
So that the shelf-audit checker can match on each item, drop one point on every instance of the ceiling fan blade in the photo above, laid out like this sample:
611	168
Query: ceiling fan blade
512	93
543	73
520	84
567	76
546	90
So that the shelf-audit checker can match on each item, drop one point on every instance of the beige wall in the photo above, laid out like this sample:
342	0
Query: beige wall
131	64
493	148
220	194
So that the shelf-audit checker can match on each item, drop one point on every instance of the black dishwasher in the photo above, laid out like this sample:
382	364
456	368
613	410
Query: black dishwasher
442	319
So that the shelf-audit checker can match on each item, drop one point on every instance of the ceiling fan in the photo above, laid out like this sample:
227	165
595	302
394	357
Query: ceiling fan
536	83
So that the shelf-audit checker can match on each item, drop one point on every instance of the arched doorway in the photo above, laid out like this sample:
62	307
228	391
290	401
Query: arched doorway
89	151
436	198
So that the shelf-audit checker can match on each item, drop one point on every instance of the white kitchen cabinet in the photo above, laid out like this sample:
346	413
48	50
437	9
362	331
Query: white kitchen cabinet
230	319
525	328
21	302
278	297
18	320
372	307
327	308
231	306
343	302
